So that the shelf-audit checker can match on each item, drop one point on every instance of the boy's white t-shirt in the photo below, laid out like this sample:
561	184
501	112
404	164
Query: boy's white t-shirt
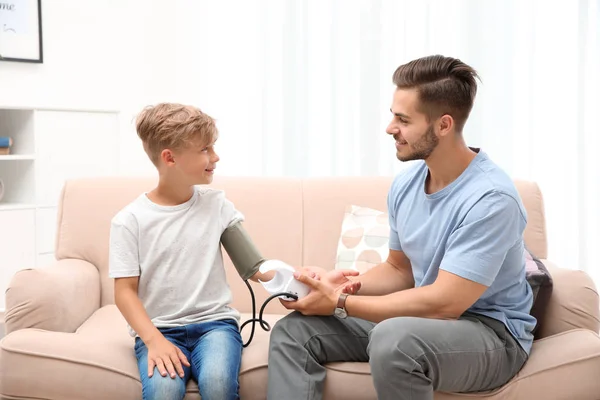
176	252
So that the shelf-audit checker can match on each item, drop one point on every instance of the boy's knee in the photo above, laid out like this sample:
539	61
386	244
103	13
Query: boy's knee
163	388
219	385
218	391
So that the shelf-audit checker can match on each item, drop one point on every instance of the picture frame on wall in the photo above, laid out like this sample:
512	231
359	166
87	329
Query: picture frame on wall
21	31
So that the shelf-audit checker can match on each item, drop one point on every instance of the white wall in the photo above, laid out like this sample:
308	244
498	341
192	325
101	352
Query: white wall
83	60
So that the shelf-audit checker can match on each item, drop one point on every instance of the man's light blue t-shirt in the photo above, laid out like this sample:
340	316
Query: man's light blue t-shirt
472	228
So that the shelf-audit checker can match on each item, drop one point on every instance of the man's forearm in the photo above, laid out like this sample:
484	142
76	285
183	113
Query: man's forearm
384	279
422	302
135	314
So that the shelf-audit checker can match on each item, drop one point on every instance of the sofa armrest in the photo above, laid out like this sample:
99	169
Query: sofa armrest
574	302
563	367
56	298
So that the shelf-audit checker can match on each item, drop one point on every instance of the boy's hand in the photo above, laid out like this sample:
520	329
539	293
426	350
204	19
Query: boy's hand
265	277
166	357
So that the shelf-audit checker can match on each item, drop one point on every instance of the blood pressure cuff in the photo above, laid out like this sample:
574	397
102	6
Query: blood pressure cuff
243	253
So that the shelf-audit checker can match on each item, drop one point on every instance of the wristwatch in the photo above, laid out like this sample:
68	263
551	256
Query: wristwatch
340	310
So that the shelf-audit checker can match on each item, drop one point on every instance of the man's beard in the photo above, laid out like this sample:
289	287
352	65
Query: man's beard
422	148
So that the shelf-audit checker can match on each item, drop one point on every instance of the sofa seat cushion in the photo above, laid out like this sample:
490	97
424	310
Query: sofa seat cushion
548	374
95	362
98	362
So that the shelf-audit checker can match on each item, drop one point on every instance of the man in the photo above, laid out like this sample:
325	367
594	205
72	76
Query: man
449	309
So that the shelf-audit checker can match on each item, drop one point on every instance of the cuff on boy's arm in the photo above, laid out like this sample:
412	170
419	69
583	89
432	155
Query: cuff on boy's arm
249	273
241	250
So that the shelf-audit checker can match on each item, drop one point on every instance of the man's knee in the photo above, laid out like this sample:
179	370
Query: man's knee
163	387
397	341
291	328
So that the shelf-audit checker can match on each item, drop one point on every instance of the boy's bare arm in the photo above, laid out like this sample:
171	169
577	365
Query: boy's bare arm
167	357
128	302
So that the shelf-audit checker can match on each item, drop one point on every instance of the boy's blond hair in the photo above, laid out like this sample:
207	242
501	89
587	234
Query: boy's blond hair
173	126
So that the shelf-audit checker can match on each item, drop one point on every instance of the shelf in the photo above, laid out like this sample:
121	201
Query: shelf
16	157
17	169
16	206
44	107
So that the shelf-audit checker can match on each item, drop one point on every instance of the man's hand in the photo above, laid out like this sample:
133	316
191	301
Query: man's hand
338	279
313	272
165	356
321	300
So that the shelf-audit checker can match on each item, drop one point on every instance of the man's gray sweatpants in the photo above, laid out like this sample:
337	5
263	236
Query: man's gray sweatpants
410	357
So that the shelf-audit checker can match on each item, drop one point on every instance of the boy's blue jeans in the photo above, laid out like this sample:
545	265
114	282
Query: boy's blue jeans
214	350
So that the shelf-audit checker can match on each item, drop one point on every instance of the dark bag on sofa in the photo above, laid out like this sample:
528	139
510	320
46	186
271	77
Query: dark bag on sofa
540	281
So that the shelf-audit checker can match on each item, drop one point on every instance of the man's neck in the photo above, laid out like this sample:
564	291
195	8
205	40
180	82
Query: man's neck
446	165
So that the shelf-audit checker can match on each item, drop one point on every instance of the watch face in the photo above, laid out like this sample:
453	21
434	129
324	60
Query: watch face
340	313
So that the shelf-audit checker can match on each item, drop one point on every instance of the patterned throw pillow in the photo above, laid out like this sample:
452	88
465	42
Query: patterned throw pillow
364	244
364	239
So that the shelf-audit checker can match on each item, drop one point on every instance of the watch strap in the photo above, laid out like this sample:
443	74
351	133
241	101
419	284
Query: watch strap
341	303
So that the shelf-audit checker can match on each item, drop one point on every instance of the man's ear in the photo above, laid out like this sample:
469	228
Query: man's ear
445	125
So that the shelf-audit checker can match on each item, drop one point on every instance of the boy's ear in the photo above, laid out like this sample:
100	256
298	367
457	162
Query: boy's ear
167	157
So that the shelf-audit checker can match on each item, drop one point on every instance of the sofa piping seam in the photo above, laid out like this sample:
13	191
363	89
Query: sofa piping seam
52	357
60	219
302	227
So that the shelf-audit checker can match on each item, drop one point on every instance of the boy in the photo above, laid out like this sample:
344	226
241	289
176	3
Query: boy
165	256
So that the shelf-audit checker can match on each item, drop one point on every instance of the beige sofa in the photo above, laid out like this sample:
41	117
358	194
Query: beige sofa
67	340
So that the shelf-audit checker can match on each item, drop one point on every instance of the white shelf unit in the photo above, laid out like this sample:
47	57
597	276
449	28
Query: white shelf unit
49	147
17	169
16	157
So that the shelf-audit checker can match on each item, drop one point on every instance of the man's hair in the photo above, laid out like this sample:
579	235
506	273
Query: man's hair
173	126
445	85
